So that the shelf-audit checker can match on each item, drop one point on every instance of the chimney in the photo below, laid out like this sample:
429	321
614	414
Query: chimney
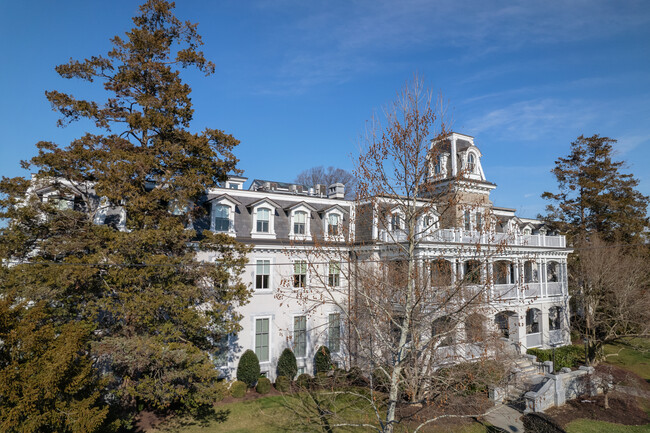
321	190
336	190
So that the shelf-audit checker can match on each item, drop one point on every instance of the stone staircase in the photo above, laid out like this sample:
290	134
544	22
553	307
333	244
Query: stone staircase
527	375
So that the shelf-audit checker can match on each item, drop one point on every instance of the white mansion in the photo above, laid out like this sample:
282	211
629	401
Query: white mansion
526	284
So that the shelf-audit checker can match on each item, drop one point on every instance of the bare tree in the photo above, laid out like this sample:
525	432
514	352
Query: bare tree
610	286
328	176
405	311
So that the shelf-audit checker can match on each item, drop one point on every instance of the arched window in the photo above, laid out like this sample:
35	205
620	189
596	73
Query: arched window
262	222
552	272
396	222
532	320
472	272
555	318
440	273
299	223
333	224
443	330
221	218
471	162
530	272
503	272
503	321
475	328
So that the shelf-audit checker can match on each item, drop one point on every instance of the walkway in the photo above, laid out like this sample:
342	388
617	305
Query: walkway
506	418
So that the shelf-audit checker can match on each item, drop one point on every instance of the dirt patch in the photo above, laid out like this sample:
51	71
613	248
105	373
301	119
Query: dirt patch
624	377
623	409
251	394
463	406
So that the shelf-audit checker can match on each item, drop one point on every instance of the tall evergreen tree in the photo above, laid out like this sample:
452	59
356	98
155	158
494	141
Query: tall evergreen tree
595	195
130	296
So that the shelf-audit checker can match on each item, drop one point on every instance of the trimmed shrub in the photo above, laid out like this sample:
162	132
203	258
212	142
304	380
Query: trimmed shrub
323	360
321	380
263	385
238	389
380	379
287	365
304	381
282	384
248	369
565	356
355	377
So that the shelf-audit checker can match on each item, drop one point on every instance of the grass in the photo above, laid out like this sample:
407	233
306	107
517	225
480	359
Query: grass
629	357
591	426
270	415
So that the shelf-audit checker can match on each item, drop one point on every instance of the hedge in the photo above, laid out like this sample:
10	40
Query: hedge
565	356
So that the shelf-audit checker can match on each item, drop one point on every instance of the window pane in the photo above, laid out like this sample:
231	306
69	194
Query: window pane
334	332
263	217
334	271
262	271
262	339
300	336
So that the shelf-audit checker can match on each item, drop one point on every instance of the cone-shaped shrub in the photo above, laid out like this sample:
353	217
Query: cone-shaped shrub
248	369
263	385
323	359
287	365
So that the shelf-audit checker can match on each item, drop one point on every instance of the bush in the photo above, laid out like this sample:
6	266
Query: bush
565	356
304	381
238	389
263	385
355	377
287	365
248	369
381	379
282	384
323	360
321	380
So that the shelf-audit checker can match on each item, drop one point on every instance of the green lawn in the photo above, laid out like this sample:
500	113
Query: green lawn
270	415
591	426
629	358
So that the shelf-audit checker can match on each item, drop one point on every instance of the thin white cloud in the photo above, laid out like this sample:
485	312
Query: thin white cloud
319	38
533	119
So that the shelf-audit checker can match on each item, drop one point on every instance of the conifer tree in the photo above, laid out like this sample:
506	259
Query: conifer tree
102	242
595	195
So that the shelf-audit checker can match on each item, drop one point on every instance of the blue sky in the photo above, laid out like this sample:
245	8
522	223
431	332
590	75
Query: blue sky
297	80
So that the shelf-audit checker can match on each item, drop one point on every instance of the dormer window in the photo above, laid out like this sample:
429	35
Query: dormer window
333	224
263	213
221	218
299	222
223	215
263	218
300	217
471	163
396	222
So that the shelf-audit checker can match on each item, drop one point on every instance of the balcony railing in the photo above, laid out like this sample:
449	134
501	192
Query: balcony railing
504	291
534	340
554	289
474	237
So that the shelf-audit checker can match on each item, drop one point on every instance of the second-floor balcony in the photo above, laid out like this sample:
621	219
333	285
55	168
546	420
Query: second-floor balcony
461	236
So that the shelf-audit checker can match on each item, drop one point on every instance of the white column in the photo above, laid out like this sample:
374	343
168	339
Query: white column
454	158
